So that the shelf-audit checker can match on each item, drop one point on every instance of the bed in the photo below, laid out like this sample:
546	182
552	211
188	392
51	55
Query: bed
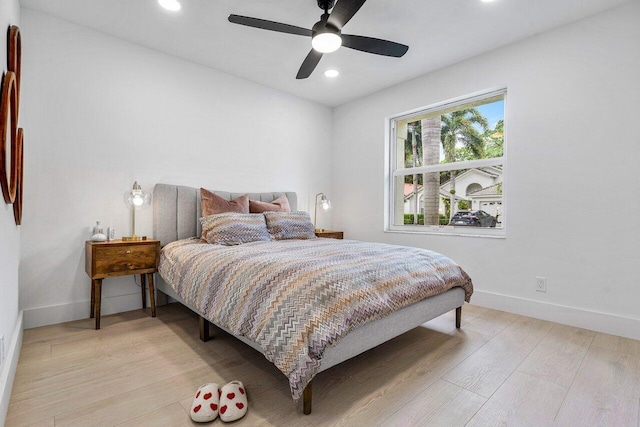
176	224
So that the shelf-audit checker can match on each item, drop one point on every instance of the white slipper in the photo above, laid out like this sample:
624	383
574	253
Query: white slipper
233	401
206	404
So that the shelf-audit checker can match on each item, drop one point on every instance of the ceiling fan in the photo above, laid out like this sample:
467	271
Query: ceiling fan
326	35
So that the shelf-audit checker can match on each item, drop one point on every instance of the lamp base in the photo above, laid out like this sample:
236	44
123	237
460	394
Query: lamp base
133	238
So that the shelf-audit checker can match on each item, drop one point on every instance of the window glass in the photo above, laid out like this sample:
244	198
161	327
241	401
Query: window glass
446	159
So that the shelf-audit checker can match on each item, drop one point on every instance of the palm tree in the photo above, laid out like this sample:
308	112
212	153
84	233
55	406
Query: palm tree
431	128
413	151
414	155
494	145
460	127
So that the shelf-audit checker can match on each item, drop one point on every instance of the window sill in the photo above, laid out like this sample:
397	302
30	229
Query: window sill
444	230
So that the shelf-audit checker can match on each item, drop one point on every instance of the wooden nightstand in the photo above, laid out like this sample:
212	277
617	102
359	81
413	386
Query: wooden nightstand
118	258
331	234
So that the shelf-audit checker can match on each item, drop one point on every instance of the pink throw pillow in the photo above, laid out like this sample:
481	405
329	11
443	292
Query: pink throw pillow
213	204
281	204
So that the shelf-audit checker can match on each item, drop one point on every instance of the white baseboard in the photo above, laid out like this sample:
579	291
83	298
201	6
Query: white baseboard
593	320
9	369
54	314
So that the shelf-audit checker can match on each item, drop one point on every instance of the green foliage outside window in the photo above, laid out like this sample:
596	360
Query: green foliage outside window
408	219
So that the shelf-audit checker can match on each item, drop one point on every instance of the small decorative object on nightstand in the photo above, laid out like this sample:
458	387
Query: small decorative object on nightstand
121	258
330	234
98	235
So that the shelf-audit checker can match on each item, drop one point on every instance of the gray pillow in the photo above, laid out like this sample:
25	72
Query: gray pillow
290	225
232	228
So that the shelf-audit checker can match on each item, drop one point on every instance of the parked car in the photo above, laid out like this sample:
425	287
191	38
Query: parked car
473	218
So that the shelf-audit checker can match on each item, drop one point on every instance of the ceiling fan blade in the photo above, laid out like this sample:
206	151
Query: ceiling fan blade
372	45
343	11
269	25
309	64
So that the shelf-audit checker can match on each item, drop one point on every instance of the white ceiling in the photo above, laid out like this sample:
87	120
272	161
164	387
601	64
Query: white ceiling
438	33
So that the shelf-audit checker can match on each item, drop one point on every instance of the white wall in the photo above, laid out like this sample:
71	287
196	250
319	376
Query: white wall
100	113
572	113
9	243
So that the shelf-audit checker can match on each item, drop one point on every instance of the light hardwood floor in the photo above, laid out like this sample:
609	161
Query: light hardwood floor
499	369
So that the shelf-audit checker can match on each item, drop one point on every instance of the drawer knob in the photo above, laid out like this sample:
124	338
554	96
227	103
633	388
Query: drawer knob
127	252
128	264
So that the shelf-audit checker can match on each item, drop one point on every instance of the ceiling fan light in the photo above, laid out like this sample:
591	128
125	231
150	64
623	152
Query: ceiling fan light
172	5
326	42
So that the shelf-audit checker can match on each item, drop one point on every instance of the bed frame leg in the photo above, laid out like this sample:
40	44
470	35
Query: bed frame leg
458	316
306	398
204	328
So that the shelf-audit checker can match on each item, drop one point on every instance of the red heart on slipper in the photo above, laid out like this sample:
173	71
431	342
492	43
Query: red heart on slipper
198	395
197	408
231	395
241	390
239	405
207	396
223	409
213	406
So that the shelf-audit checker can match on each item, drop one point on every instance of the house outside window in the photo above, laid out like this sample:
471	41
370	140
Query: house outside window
446	167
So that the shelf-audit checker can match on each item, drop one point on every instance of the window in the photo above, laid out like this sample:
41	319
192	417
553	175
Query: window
472	188
446	162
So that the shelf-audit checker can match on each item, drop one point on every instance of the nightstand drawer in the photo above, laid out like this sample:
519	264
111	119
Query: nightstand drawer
116	260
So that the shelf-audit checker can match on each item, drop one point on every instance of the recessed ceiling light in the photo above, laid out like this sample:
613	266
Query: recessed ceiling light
172	5
331	73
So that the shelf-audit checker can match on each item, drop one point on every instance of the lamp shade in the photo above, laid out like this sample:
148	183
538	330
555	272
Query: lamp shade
325	203
136	197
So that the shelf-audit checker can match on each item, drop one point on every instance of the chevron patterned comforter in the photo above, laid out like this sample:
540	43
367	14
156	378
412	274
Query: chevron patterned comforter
295	298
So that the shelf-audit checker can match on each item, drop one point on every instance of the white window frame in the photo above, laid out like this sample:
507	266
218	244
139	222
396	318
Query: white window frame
391	172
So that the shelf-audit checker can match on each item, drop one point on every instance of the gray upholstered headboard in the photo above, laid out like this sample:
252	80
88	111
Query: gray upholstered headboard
176	209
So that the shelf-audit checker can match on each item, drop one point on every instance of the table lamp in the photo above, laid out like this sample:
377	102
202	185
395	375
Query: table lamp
326	205
135	199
